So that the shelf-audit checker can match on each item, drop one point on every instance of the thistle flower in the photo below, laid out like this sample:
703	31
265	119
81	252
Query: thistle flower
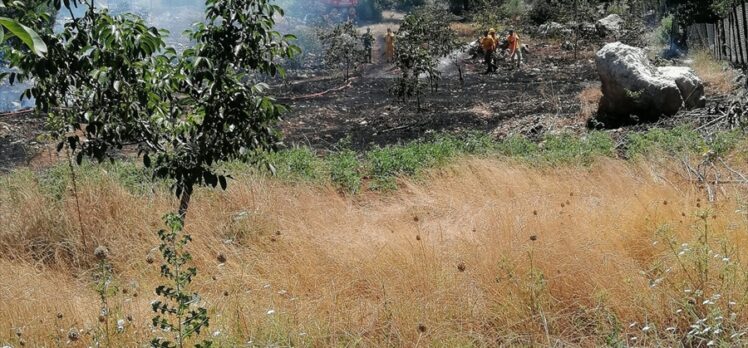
421	328
101	253
461	267
73	335
221	258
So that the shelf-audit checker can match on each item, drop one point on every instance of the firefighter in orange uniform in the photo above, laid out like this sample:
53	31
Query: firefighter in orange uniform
515	50
389	46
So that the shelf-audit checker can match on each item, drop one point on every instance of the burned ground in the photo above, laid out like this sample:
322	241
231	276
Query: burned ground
542	95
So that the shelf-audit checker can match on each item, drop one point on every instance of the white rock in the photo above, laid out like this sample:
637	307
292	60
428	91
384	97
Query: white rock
691	87
551	29
610	25
633	86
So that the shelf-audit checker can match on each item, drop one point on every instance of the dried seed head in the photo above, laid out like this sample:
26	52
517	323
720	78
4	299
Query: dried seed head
421	328
73	335
418	237
563	205
102	318
664	203
683	214
461	267
415	218
571	194
22	342
59	315
225	293
272	239
19	332
277	233
535	212
533	238
150	259
221	258
698	205
129	317
101	253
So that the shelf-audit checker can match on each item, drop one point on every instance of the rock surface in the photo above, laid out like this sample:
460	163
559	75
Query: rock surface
610	25
691	87
551	29
631	85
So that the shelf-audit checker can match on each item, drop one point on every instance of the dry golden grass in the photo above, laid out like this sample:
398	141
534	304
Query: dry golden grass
465	30
589	100
445	262
718	79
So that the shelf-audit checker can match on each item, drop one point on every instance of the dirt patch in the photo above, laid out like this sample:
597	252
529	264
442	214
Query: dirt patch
21	138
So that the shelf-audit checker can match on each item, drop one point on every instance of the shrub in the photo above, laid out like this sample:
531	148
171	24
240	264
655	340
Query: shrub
543	12
343	47
673	141
299	163
344	170
567	148
514	9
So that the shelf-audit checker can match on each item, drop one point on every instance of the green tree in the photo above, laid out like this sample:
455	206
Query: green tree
110	81
424	36
343	47
20	22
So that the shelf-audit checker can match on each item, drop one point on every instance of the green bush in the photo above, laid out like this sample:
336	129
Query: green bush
517	146
514	8
299	163
344	170
663	31
673	141
543	12
567	148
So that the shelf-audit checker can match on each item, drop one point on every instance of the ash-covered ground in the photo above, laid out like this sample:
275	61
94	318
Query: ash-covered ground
553	92
541	96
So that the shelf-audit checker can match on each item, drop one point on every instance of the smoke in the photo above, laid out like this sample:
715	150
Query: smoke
176	16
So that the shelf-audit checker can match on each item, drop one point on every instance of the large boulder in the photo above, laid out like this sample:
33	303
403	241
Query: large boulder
631	85
611	25
691	87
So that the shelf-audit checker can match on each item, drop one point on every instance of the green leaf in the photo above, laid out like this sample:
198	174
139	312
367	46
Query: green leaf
28	36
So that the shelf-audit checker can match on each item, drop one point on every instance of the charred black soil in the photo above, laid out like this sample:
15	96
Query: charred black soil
542	95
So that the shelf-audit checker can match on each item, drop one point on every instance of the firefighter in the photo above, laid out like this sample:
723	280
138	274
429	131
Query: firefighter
488	43
389	44
515	49
368	41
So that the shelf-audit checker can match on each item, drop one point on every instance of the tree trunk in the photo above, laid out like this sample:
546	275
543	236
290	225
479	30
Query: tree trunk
184	203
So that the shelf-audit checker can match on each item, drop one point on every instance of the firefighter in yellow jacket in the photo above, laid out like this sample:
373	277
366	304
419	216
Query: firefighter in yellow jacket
488	44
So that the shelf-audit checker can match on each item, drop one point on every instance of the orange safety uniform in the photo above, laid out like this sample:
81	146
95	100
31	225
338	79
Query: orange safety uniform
389	44
513	43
